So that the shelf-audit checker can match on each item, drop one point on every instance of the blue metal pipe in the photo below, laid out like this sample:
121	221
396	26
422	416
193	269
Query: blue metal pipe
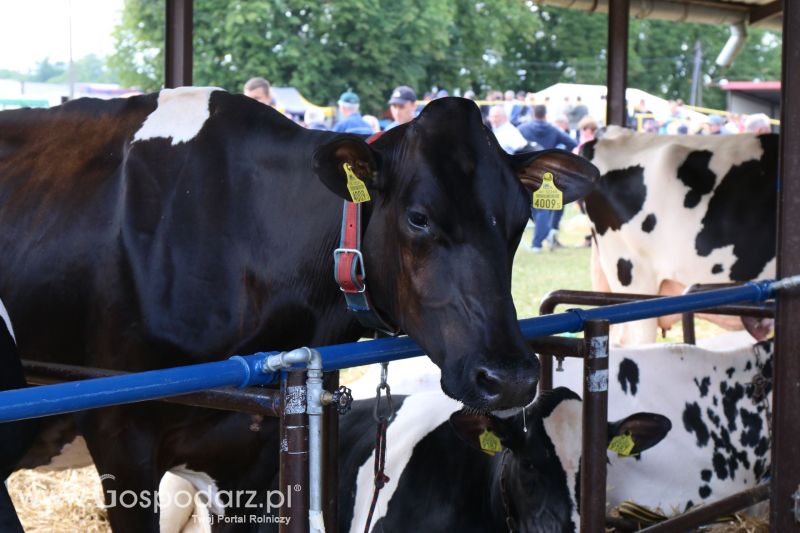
249	370
574	319
381	350
73	396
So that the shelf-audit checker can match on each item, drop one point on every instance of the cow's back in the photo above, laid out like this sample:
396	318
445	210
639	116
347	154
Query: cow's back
695	209
59	198
181	222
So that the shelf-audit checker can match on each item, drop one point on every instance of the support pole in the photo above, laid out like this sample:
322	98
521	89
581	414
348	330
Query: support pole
330	464
595	423
617	73
178	44
294	453
786	390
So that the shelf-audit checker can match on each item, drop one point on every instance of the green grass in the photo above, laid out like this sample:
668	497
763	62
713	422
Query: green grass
536	274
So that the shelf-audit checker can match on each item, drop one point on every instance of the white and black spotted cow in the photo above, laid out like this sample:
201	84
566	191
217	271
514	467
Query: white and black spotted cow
670	211
717	402
440	481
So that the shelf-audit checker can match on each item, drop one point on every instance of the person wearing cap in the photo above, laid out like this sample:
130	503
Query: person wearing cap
403	105
351	121
715	124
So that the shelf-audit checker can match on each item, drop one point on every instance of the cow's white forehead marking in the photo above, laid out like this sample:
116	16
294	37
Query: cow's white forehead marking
7	320
180	115
563	428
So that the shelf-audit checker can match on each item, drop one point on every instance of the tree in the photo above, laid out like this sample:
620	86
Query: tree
328	47
370	46
45	70
88	69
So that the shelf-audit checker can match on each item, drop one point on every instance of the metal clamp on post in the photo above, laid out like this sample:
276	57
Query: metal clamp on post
313	408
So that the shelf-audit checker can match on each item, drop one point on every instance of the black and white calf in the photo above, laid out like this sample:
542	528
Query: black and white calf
441	481
15	437
718	402
673	210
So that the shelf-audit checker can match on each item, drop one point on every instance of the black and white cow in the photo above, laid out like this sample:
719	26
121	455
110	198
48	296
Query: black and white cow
718	403
670	211
193	224
15	437
719	416
441	481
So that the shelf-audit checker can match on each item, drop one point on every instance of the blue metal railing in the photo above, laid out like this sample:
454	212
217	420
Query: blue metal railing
248	370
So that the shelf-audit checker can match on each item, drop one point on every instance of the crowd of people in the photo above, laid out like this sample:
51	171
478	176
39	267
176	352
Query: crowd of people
520	123
402	102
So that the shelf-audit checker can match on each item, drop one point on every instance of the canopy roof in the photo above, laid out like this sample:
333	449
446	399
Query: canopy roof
762	13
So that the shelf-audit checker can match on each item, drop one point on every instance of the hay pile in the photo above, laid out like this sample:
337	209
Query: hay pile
743	523
56	502
68	501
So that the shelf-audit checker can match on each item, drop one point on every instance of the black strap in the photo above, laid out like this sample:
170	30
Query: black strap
380	462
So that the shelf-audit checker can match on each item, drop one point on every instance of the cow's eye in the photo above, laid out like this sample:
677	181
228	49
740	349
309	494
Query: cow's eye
417	220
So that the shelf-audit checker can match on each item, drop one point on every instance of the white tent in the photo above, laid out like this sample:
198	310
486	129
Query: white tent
593	96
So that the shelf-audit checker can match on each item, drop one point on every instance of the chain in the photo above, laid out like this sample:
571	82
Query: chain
389	403
380	440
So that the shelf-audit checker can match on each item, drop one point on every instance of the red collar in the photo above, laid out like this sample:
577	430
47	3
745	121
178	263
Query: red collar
349	268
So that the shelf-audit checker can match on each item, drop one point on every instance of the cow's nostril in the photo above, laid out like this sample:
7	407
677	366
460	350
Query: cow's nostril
488	381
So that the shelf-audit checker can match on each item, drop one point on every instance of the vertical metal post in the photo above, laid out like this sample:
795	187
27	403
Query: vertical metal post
786	388
178	45
617	73
294	453
330	466
545	372
687	323
595	423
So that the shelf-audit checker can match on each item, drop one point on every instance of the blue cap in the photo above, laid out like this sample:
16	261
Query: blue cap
348	97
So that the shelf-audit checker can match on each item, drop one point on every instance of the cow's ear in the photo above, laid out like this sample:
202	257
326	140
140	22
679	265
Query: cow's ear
342	159
637	432
573	175
487	433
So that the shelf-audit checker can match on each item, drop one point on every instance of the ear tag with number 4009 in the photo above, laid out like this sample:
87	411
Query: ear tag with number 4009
358	190
548	196
490	443
622	444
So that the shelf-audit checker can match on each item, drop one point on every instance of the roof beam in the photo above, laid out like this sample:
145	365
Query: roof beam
766	11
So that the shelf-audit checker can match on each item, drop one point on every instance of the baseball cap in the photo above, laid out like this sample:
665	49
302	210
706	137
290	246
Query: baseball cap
402	94
348	97
716	120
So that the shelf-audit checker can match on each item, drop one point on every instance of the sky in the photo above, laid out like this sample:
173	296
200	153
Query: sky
31	30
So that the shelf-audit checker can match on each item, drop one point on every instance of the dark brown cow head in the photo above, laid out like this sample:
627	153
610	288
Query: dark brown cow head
447	212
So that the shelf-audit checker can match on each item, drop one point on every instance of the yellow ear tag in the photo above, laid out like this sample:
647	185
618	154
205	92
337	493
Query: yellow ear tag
548	196
490	443
358	190
622	444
